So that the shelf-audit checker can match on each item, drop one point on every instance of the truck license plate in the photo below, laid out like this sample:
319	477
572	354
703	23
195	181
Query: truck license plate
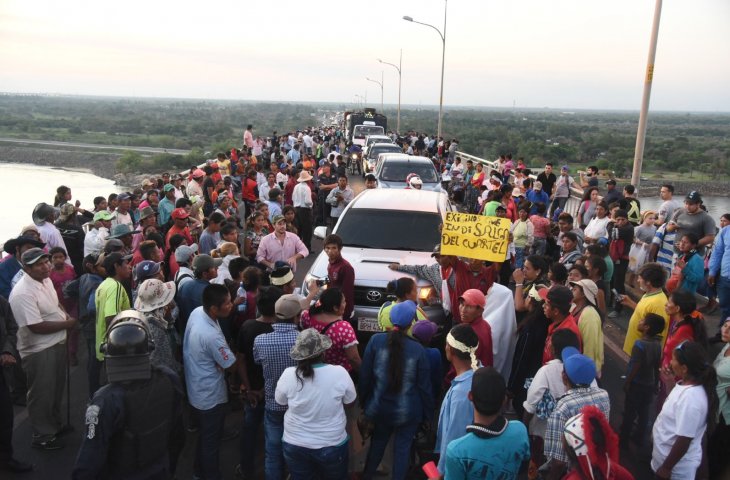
365	324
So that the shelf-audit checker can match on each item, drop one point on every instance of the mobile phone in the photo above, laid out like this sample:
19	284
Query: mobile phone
617	295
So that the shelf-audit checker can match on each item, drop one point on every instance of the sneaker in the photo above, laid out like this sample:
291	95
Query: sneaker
53	444
613	314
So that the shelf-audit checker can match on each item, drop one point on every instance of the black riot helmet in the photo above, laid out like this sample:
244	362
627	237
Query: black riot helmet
127	348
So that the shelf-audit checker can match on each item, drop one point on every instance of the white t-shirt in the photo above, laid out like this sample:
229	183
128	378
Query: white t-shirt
34	302
684	414
316	415
119	218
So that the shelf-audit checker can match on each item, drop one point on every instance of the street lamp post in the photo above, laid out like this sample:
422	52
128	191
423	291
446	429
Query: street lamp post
381	88
443	59
397	67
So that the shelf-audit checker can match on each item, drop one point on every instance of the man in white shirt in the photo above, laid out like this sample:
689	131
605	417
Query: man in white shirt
302	200
668	206
43	216
121	215
42	325
97	236
267	186
339	198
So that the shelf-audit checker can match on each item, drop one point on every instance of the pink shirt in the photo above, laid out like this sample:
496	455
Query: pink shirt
541	226
272	249
60	280
342	335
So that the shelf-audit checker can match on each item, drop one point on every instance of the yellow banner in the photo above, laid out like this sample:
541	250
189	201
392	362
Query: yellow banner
475	236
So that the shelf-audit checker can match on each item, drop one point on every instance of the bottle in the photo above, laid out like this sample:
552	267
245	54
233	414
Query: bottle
242	293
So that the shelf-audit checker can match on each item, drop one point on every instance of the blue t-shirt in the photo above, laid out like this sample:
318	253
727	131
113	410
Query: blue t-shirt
474	458
205	355
456	414
208	241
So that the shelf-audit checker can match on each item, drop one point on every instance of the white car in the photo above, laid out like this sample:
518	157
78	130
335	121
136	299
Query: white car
380	227
370	159
371	139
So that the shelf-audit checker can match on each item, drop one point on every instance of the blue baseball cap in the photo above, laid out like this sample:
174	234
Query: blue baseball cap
403	314
580	369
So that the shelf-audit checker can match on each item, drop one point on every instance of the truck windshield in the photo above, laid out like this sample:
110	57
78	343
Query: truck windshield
390	229
361	131
398	171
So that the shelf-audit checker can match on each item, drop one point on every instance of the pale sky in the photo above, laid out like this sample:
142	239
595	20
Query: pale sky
533	53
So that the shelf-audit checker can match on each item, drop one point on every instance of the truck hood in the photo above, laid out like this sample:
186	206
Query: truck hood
371	265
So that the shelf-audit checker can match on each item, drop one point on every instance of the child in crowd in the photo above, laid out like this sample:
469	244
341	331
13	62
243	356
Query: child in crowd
62	274
492	443
642	378
424	331
456	412
689	270
621	236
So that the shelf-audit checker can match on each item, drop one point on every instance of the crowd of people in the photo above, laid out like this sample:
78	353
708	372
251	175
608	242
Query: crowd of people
183	297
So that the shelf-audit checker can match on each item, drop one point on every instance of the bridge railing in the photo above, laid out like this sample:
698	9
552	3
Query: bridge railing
576	195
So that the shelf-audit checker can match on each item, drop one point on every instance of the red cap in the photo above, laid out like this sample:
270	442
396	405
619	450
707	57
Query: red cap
198	173
215	166
543	292
473	297
179	213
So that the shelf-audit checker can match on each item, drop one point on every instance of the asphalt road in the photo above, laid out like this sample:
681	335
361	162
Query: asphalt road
58	464
95	146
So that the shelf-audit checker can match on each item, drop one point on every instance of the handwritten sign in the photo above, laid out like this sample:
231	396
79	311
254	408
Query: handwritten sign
475	236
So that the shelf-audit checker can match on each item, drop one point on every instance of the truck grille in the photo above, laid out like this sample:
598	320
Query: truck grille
370	296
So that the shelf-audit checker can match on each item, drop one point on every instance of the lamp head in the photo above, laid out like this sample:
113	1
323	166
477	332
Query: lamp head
407	18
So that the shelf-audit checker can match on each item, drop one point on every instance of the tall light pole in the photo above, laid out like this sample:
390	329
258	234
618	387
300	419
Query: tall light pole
643	115
443	59
397	67
381	88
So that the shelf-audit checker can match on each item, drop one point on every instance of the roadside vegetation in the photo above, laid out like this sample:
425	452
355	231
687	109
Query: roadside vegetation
679	145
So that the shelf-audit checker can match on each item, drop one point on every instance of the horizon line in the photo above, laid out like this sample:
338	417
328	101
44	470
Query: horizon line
409	106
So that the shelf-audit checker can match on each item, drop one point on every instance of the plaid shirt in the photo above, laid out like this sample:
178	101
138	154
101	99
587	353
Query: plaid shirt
568	406
432	273
271	351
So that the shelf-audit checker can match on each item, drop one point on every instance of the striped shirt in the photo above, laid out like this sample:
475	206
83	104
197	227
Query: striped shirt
567	407
665	254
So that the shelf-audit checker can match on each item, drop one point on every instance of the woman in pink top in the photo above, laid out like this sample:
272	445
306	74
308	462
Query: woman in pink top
61	275
540	230
326	317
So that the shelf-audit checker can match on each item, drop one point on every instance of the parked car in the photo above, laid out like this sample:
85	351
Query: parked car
391	172
370	160
379	227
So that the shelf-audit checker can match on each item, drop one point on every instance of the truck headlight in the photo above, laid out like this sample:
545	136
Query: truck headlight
428	296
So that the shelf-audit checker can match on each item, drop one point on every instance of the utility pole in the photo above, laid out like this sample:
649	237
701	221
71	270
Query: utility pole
643	115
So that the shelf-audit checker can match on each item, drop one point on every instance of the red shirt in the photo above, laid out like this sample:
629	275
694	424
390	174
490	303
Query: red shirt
485	352
60	279
677	335
569	323
248	190
174	230
342	276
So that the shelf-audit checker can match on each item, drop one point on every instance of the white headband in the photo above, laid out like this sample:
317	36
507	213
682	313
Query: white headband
472	351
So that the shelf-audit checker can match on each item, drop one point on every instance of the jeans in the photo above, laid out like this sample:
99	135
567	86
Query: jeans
209	442
618	281
328	463
273	431
722	285
520	257
402	443
252	419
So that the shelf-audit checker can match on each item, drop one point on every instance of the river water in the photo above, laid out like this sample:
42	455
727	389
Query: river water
24	186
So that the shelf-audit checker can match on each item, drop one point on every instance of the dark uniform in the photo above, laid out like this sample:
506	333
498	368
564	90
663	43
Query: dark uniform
141	422
134	424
